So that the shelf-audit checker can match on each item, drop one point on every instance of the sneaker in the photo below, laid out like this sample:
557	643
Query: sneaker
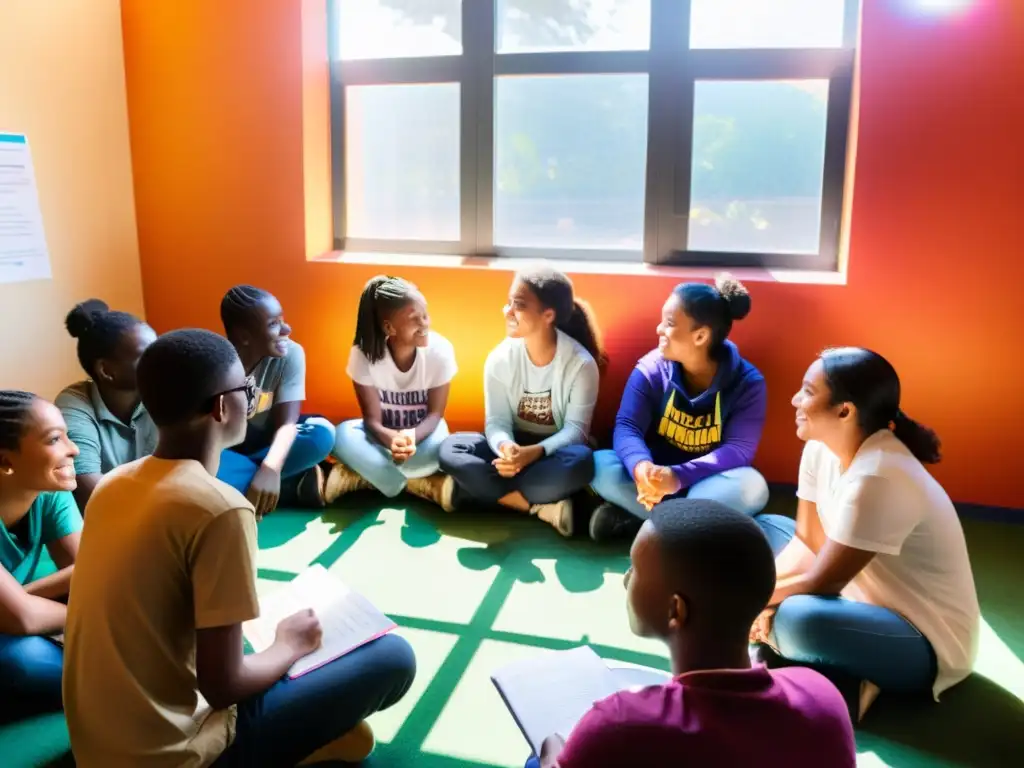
558	515
352	747
340	481
309	491
438	488
609	522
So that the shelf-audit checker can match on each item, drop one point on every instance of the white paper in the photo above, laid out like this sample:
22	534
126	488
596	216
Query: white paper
23	252
550	693
348	619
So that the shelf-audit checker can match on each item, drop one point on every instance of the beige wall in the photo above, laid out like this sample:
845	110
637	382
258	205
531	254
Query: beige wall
62	83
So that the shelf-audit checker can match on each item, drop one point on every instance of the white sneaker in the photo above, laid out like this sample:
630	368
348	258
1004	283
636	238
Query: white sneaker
558	515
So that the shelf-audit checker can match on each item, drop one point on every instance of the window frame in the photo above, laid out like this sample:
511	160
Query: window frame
672	68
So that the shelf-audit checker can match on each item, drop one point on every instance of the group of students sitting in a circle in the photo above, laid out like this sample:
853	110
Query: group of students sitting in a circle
173	443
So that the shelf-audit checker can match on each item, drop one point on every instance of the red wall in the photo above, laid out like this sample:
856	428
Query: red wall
217	92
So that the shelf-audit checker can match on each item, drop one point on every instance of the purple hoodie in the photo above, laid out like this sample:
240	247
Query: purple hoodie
700	436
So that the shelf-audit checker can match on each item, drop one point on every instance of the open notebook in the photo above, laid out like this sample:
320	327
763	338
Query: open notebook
548	694
349	620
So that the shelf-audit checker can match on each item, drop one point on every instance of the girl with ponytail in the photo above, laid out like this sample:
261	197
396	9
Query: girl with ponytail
874	528
402	371
540	388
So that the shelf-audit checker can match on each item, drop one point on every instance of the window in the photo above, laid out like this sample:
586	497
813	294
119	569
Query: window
697	132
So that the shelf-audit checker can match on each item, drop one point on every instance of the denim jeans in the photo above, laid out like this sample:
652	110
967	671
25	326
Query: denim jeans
30	675
314	440
742	489
359	451
467	457
294	718
858	640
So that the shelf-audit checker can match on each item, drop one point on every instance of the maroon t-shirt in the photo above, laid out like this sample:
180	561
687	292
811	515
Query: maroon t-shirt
789	717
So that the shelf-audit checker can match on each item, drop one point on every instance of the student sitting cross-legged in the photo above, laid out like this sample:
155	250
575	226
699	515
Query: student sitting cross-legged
690	419
105	417
875	582
155	673
279	443
37	510
540	388
700	573
401	371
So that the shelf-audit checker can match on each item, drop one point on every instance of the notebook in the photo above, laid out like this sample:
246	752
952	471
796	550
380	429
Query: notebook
548	694
348	619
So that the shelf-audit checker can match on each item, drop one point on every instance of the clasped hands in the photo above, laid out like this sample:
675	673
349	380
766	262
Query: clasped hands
513	458
654	483
403	446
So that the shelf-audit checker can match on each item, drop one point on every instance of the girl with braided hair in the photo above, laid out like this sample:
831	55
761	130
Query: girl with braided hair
282	449
402	371
37	510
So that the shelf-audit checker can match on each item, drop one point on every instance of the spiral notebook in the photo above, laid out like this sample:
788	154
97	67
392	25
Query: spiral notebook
548	694
348	619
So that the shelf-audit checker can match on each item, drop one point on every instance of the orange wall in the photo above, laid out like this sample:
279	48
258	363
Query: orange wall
62	84
216	105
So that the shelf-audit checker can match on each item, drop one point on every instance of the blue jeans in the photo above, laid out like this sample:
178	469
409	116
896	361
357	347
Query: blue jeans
467	457
743	489
313	443
30	674
857	640
359	451
294	718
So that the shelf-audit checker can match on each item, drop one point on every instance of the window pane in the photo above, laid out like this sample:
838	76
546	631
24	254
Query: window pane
573	25
758	164
569	161
392	29
402	162
766	24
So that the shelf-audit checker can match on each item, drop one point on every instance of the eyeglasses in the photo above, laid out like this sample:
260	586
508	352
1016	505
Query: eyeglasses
251	395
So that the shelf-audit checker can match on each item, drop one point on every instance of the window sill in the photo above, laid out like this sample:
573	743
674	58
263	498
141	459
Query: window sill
506	264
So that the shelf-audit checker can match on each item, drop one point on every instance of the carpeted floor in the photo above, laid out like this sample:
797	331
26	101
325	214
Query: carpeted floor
471	593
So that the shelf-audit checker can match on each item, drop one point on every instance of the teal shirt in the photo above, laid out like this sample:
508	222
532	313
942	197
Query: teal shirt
52	516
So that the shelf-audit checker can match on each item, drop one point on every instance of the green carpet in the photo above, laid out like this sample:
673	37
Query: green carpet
471	593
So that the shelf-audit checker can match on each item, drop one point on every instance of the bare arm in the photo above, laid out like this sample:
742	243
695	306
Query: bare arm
23	614
369	404
437	401
86	485
283	418
226	675
63	551
834	567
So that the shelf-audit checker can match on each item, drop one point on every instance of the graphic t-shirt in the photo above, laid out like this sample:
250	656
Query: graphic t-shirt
280	380
534	414
403	394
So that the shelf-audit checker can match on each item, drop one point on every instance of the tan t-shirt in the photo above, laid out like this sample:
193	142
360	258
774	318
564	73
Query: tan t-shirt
168	549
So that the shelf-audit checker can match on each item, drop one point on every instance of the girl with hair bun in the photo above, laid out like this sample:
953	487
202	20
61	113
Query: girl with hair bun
104	413
690	419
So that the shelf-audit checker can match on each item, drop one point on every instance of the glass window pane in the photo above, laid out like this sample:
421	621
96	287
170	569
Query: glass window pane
570	155
573	25
402	162
766	24
393	29
758	164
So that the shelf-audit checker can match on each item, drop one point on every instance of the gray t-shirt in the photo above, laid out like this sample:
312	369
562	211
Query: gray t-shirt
281	380
104	441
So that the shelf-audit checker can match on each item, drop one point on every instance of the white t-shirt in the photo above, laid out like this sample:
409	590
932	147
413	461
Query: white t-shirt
403	395
887	502
534	413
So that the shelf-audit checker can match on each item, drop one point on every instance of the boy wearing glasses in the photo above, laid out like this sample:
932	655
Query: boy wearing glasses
155	673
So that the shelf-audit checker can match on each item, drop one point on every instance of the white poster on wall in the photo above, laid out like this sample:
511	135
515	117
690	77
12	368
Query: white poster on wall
23	252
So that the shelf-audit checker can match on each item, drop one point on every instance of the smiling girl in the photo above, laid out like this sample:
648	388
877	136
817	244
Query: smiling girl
37	510
402	372
690	419
540	388
874	580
